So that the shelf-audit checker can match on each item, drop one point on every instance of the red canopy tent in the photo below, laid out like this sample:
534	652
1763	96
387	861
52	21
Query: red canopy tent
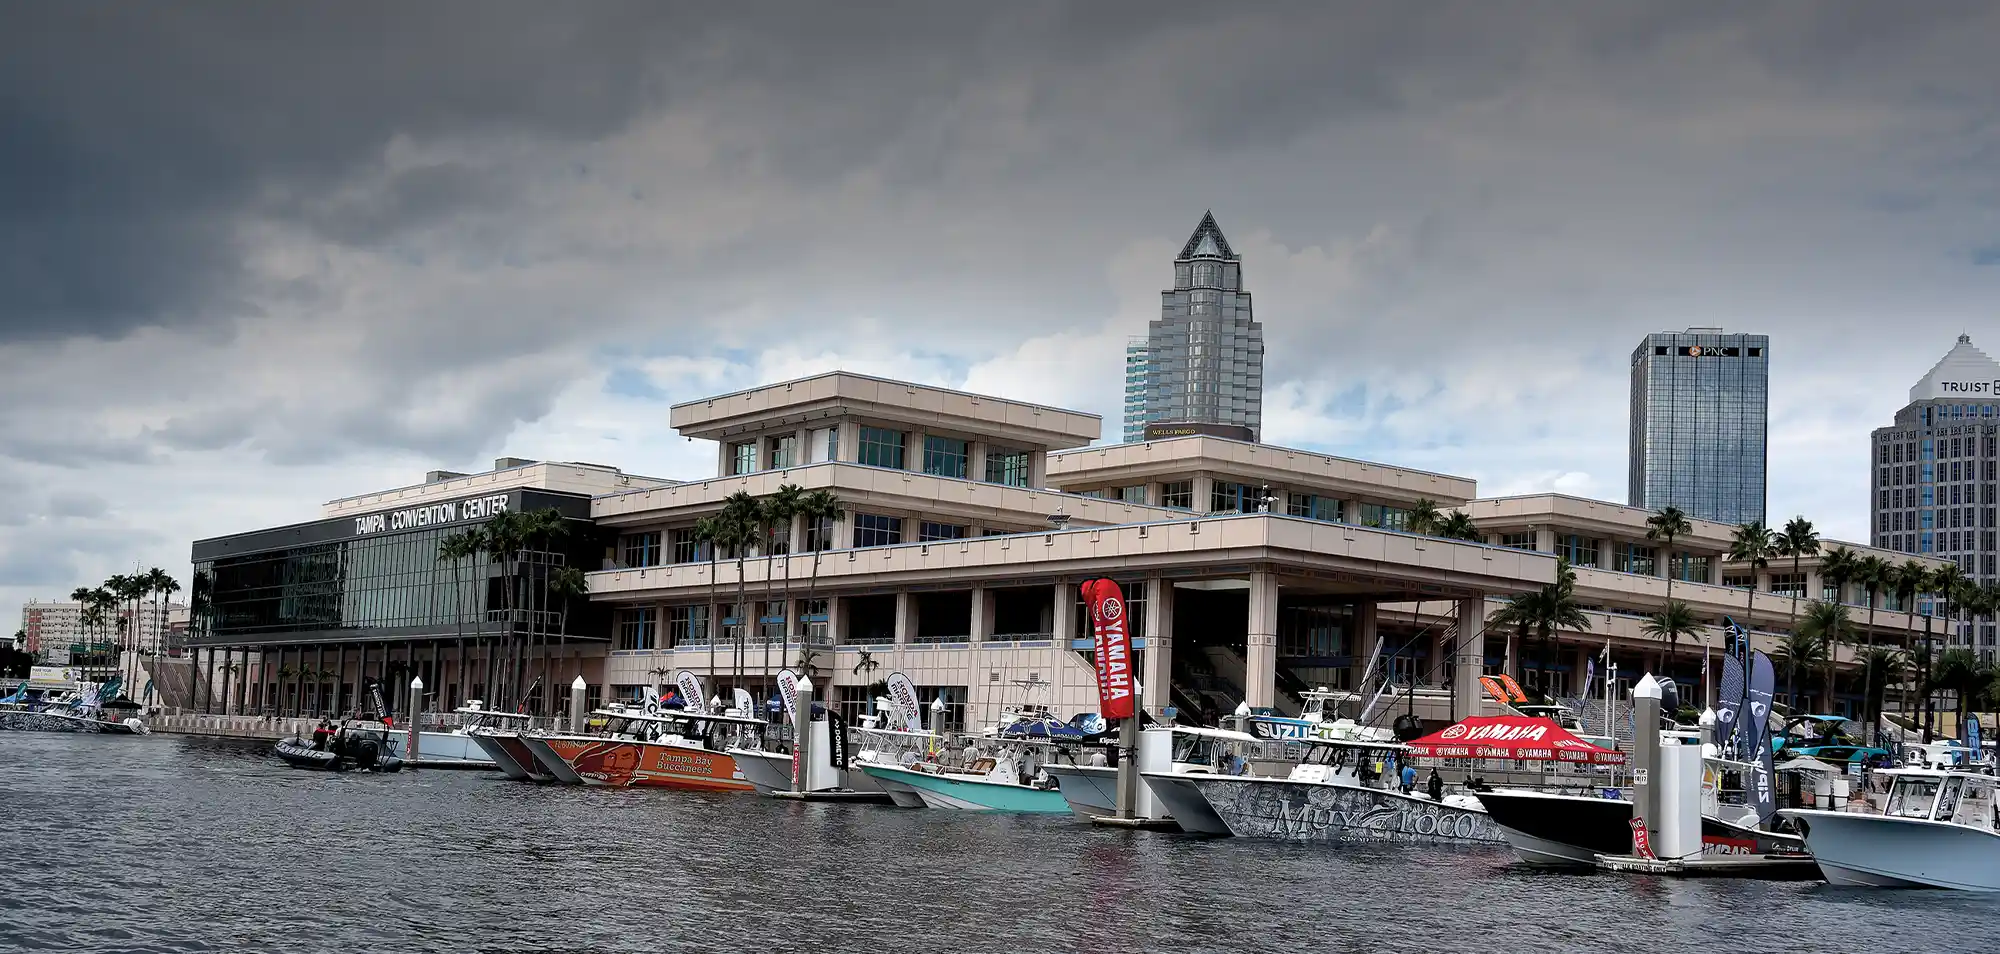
1512	737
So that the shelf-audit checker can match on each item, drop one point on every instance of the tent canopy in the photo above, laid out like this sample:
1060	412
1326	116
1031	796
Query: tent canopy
1512	737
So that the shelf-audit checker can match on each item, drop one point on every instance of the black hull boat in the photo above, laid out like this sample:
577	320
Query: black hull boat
1555	830
358	754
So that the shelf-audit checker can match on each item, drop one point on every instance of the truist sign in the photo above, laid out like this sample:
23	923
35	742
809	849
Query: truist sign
1113	648
431	515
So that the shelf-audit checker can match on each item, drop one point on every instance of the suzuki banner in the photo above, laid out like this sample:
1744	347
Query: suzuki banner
1113	648
903	695
691	698
788	690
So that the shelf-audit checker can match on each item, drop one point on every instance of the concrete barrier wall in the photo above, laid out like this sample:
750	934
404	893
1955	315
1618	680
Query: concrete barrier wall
232	726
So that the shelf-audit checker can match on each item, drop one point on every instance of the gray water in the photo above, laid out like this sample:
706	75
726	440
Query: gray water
178	844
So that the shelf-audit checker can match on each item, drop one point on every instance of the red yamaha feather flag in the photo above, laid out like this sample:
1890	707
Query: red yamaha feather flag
1114	648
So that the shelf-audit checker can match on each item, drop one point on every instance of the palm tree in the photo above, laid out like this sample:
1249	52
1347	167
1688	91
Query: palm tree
1668	524
1800	650
1838	570
708	533
1670	624
1828	623
774	516
1558	609
1521	612
1753	544
1874	575
1457	525
540	530
461	550
502	538
1950	584
1884	666
740	520
1424	516
1959	670
166	586
1908	580
1798	540
820	509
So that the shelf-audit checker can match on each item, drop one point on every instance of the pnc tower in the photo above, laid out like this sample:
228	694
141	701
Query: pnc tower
1700	409
1202	361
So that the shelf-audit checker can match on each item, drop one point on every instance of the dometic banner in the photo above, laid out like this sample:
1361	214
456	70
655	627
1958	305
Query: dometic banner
788	690
1729	696
1114	648
691	697
903	695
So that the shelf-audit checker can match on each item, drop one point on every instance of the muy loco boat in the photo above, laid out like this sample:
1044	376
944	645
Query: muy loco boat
1333	795
50	707
1936	829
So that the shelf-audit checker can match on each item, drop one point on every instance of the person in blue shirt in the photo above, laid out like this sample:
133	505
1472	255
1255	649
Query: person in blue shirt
1409	779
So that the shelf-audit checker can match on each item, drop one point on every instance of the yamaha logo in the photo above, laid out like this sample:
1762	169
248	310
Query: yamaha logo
1453	732
1113	609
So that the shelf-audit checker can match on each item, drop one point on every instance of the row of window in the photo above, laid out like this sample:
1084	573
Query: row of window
644	628
881	447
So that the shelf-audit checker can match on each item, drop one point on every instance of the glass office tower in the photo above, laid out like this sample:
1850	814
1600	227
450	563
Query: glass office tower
1700	411
1933	478
1203	360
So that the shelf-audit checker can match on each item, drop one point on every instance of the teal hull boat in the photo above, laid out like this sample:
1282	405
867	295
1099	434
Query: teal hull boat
972	793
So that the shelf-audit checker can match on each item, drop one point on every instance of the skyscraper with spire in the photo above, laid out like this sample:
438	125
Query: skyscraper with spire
1203	359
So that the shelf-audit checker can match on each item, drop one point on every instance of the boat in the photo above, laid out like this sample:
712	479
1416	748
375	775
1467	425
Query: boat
1337	793
892	747
1008	780
1570	829
70	707
361	746
1934	829
1092	790
457	747
497	735
1824	737
669	749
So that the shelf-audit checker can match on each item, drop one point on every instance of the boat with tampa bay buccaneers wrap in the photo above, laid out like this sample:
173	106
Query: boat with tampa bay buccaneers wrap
666	750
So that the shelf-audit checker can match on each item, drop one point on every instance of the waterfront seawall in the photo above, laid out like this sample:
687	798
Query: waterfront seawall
232	726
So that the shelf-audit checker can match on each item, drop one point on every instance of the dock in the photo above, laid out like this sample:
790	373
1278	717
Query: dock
1751	867
837	795
457	765
1136	824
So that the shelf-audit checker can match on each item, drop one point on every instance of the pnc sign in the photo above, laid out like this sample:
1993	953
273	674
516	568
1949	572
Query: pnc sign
431	515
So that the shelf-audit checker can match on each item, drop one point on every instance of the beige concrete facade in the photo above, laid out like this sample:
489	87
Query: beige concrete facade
1283	469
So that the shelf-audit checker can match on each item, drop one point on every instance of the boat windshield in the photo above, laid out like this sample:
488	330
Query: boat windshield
1976	806
1912	797
1201	750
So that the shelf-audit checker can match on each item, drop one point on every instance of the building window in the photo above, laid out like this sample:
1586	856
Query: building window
1135	494
784	451
928	531
945	456
687	625
1178	494
639	549
1388	518
1740	581
881	447
1314	507
687	549
1007	466
743	457
1230	497
819	535
876	530
1786	584
1518	541
1689	568
635	628
1633	558
1577	549
813	613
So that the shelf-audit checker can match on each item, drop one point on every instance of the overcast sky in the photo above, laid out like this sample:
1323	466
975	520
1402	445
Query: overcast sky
255	256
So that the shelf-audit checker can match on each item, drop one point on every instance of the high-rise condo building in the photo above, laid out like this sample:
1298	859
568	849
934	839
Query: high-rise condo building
1203	358
1933	474
1700	409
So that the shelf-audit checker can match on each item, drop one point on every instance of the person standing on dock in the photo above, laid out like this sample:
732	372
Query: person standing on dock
1436	786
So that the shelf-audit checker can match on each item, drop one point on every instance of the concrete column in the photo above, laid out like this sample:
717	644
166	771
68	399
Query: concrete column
850	441
975	461
1038	469
1545	540
1204	490
1367	639
843	530
836	619
1607	554
982	615
1153	493
795	537
1260	655
1434	666
1471	657
722	462
1813	584
1062	615
906	618
801	450
913	450
1715	570
1157	680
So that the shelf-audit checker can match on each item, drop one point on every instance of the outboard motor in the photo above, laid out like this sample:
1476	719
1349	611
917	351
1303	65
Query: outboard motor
1670	703
1407	727
366	753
